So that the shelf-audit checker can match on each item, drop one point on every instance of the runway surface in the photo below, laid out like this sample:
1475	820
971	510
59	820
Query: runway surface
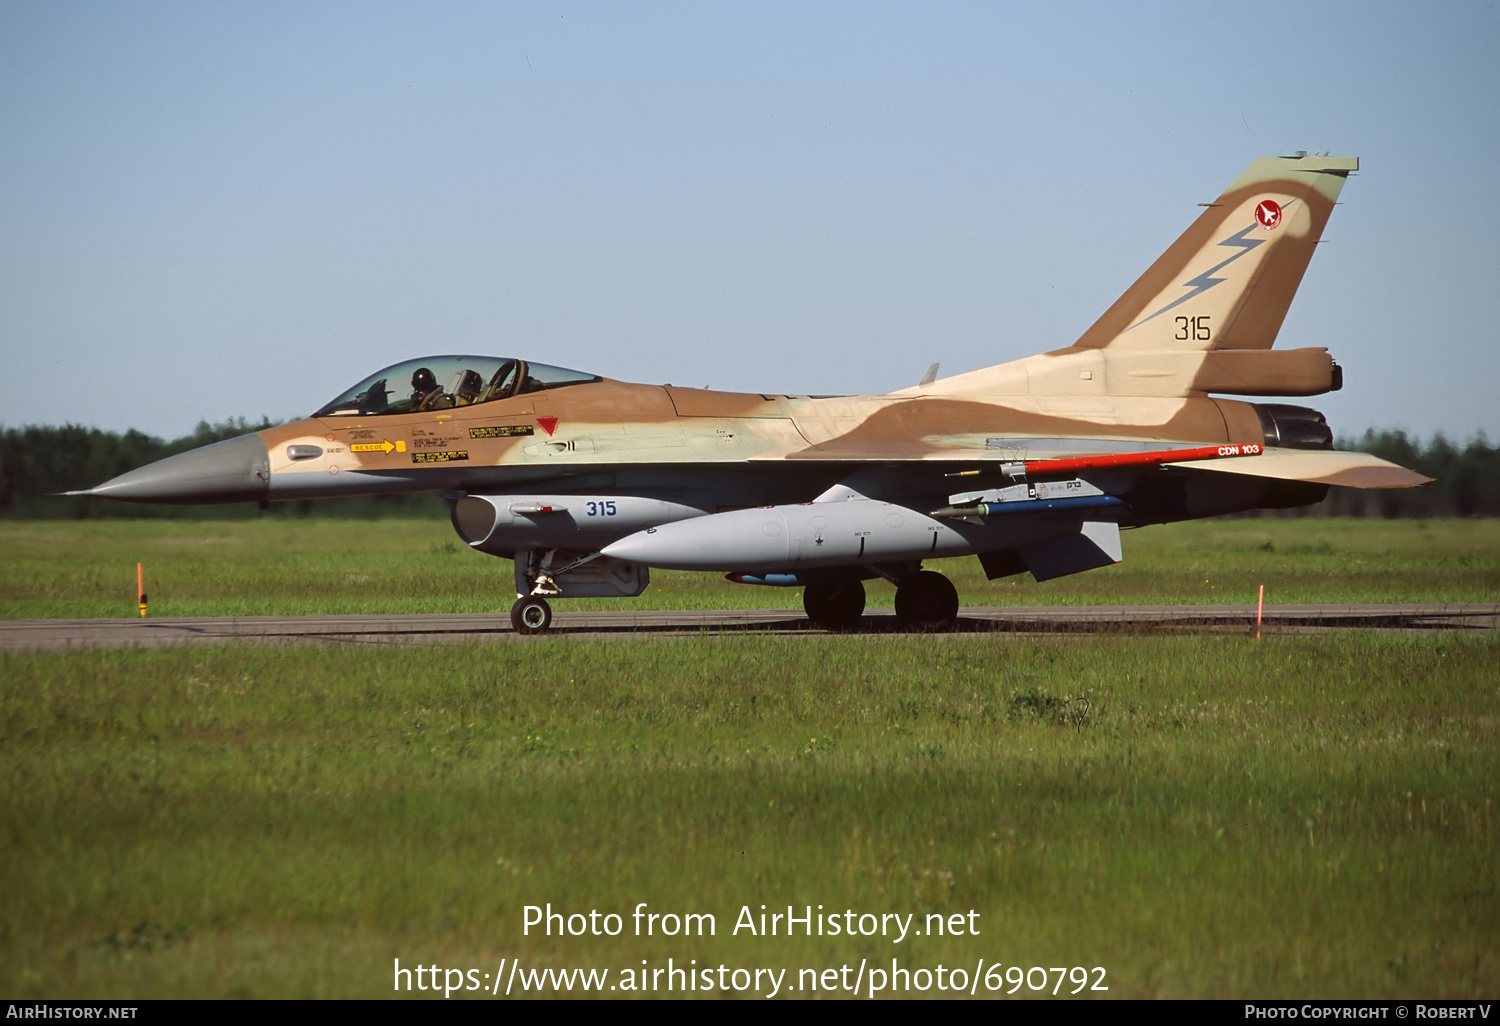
429	629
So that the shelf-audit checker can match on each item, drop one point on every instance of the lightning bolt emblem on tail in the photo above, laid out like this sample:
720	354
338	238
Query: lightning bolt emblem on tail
1201	283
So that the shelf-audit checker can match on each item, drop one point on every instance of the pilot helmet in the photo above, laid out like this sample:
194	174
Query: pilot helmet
423	380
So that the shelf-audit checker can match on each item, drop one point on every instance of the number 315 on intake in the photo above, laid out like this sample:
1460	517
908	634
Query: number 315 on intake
600	509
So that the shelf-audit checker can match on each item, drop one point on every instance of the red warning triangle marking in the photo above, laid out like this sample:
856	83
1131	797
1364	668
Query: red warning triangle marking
549	424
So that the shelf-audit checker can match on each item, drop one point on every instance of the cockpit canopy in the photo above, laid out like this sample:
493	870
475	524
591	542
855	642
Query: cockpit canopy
443	382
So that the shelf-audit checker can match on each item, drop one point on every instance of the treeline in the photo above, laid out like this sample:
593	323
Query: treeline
38	462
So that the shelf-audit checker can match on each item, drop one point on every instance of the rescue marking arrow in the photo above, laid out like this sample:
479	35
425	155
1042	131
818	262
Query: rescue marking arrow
386	447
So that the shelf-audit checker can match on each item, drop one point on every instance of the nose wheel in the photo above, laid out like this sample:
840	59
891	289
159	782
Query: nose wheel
835	607
926	601
530	615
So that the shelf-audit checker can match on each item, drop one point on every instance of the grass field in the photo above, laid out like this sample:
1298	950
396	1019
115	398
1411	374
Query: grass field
1201	817
53	569
1308	816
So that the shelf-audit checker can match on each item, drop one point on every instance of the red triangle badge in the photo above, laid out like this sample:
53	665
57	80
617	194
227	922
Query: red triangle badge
549	424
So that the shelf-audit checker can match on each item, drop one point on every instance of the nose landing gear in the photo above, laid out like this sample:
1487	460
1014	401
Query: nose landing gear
530	615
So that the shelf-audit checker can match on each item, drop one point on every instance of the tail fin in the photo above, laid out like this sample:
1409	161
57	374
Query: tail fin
1227	282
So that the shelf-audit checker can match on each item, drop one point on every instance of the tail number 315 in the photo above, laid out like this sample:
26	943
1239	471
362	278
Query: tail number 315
1192	329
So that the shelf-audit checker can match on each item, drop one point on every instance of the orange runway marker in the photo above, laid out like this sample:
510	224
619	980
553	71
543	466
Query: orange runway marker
140	587
1260	607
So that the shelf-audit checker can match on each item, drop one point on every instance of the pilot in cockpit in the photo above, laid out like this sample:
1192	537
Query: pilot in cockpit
423	384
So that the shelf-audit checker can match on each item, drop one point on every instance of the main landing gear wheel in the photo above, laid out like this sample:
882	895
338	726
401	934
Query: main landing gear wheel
530	615
835	607
926	601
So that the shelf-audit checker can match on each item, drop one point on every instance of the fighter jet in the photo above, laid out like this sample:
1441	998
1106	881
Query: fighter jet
1032	466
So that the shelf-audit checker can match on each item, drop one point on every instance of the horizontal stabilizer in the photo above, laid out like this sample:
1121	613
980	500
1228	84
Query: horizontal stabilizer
1346	469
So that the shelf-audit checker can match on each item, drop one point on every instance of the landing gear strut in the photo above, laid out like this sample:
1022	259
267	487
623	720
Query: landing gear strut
530	615
926	601
835	607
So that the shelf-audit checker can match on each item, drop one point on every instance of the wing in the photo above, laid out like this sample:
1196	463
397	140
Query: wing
1346	469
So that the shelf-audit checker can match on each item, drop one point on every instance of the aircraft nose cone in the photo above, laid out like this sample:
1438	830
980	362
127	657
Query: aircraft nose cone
235	470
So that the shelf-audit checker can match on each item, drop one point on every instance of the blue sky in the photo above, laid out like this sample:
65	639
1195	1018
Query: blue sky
240	209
